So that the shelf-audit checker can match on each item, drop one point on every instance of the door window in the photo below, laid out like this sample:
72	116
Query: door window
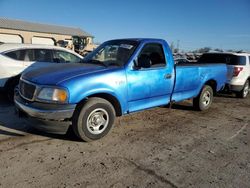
65	57
29	55
155	53
43	55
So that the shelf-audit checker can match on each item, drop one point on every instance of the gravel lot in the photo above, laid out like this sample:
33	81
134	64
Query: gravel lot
161	147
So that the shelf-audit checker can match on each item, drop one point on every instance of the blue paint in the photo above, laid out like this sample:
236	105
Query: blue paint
134	89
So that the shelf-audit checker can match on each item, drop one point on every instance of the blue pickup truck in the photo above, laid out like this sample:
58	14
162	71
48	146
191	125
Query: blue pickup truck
119	77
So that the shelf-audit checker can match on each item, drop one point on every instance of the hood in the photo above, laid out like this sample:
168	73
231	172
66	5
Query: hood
53	74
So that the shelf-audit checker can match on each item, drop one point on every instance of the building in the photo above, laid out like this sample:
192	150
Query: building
17	31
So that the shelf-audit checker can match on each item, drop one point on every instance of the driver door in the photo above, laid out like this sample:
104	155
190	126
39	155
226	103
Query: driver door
150	86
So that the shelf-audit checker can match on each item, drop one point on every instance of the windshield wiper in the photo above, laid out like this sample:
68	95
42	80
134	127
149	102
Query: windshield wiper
94	61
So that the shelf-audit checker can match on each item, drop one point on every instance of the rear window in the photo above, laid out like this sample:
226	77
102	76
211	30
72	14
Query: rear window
17	54
223	58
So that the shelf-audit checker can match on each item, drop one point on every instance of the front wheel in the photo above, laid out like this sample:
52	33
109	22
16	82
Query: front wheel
204	100
94	119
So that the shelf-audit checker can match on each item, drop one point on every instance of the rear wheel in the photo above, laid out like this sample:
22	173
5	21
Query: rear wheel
204	100
94	119
244	92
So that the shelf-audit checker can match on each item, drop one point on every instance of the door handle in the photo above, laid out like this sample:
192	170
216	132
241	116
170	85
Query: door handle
168	76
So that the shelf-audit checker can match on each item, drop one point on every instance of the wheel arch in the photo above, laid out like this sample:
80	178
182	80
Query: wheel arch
213	84
110	98
10	80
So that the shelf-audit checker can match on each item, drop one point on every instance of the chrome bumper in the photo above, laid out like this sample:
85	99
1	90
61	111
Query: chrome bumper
49	112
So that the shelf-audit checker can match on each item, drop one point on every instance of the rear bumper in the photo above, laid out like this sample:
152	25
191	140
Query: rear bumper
236	88
51	118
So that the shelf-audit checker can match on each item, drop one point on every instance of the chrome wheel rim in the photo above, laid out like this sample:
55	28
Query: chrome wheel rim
206	98
246	89
97	121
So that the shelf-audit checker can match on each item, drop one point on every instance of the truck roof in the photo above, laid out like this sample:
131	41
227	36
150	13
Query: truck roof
141	39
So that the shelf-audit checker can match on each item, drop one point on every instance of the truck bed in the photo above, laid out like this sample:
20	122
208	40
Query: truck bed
190	79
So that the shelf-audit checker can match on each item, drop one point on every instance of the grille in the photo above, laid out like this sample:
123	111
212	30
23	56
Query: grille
26	90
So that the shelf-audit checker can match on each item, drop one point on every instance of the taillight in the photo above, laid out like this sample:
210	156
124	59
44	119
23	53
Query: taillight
237	70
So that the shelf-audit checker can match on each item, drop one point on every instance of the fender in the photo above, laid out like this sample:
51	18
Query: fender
101	92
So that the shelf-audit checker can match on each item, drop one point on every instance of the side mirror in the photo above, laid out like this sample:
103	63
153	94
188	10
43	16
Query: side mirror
144	61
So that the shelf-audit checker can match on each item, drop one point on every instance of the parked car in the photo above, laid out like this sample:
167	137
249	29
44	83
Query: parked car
238	65
17	58
90	95
181	61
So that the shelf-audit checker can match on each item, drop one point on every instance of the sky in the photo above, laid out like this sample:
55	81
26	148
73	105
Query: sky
192	24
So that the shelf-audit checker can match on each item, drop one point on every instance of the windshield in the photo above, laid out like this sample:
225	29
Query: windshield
112	53
228	59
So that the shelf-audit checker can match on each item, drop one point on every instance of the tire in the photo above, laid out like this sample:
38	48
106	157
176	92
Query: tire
204	100
10	88
245	91
94	119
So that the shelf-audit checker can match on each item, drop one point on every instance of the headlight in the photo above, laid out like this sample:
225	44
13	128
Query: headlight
53	94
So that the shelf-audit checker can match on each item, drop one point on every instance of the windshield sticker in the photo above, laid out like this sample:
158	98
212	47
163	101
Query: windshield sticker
127	46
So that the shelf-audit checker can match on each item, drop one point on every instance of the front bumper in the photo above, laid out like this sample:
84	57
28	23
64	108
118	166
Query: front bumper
52	118
45	111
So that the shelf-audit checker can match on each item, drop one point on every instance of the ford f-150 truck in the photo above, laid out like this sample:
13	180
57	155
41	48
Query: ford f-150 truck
119	77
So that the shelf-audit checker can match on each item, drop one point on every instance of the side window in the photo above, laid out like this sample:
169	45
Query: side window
65	57
154	52
43	55
29	55
17	54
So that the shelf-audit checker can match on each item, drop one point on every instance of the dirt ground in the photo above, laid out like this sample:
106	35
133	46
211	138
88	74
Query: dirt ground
161	147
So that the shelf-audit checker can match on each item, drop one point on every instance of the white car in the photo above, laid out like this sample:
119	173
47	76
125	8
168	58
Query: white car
17	58
238	65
